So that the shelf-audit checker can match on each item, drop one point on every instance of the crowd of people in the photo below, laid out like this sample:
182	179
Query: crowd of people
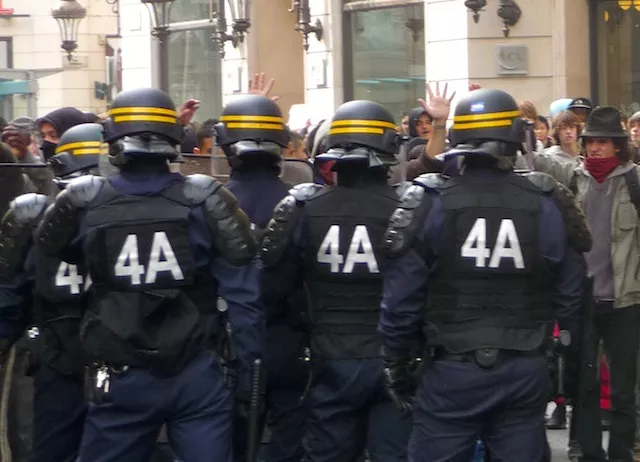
397	303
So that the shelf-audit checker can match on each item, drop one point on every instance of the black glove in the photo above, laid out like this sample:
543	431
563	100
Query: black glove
401	382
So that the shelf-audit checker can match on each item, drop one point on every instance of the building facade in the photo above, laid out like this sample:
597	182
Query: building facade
30	42
385	50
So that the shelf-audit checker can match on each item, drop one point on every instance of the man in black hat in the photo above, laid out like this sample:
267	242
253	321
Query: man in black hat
606	186
581	107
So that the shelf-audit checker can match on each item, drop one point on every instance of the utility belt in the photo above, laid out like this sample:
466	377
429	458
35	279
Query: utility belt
485	358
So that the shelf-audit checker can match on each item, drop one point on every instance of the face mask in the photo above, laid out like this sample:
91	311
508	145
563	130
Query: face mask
48	149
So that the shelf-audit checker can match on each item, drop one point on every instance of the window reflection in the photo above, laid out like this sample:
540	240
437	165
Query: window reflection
189	10
619	56
387	56
194	71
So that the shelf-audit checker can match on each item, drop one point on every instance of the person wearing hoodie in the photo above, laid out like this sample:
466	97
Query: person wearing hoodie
604	188
566	126
54	124
420	128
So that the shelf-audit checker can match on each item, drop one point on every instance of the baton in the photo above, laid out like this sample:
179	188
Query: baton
253	432
19	165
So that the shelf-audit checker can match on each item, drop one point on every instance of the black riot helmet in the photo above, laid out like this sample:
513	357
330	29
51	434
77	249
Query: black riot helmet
142	123
251	126
488	115
78	150
363	130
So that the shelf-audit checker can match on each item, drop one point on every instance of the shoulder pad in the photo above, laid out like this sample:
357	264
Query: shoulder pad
401	188
198	187
305	191
430	181
544	181
278	234
578	231
82	190
230	226
407	219
16	231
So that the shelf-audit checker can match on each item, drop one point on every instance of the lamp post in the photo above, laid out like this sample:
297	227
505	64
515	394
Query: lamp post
241	22
68	14
304	26
160	10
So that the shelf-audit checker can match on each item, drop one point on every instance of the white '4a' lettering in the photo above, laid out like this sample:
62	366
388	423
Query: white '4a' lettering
360	251
162	259
507	245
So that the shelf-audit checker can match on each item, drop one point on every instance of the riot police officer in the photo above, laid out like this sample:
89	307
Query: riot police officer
252	135
47	294
158	247
495	257
331	238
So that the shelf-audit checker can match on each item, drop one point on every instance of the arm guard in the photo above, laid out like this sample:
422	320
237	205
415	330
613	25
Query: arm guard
577	229
285	218
62	220
229	225
406	220
16	231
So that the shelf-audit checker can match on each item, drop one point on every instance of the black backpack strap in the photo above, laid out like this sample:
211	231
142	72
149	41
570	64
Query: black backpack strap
633	185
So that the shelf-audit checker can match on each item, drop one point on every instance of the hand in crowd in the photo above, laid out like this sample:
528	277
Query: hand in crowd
257	86
438	105
188	110
17	139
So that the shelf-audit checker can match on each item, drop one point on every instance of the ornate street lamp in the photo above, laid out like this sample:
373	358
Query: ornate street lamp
304	26
510	13
476	6
159	11
68	14
241	22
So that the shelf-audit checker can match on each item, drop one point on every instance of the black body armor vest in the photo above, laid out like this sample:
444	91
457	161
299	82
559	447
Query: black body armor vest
491	287
149	304
344	228
59	304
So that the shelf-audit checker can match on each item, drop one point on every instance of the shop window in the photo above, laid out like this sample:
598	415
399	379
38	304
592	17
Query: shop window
190	10
194	70
384	55
618	54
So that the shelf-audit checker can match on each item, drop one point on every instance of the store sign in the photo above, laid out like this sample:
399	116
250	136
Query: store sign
512	59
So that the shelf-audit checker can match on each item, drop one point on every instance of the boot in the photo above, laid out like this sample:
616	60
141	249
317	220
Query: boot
558	420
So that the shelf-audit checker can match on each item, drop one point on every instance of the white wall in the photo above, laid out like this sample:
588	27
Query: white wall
137	47
36	45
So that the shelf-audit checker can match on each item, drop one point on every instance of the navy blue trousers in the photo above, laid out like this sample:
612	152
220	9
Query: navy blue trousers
59	410
459	403
196	406
350	412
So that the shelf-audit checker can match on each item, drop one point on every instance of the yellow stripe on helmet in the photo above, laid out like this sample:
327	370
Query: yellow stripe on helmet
78	144
142	110
145	118
82	152
251	118
364	123
356	131
255	126
487	116
488	124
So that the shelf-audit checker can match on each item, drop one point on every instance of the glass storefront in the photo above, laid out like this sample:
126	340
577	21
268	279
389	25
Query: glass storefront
190	10
195	71
384	54
618	53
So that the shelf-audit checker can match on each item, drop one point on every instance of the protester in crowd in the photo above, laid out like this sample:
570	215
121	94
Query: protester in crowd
565	133
541	129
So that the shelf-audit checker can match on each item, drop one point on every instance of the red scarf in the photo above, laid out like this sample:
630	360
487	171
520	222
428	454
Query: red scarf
600	167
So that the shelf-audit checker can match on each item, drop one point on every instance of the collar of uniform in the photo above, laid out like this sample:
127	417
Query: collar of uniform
261	174
143	184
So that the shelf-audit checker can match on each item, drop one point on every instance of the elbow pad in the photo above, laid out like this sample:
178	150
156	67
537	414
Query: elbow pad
229	225
285	218
62	219
16	231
